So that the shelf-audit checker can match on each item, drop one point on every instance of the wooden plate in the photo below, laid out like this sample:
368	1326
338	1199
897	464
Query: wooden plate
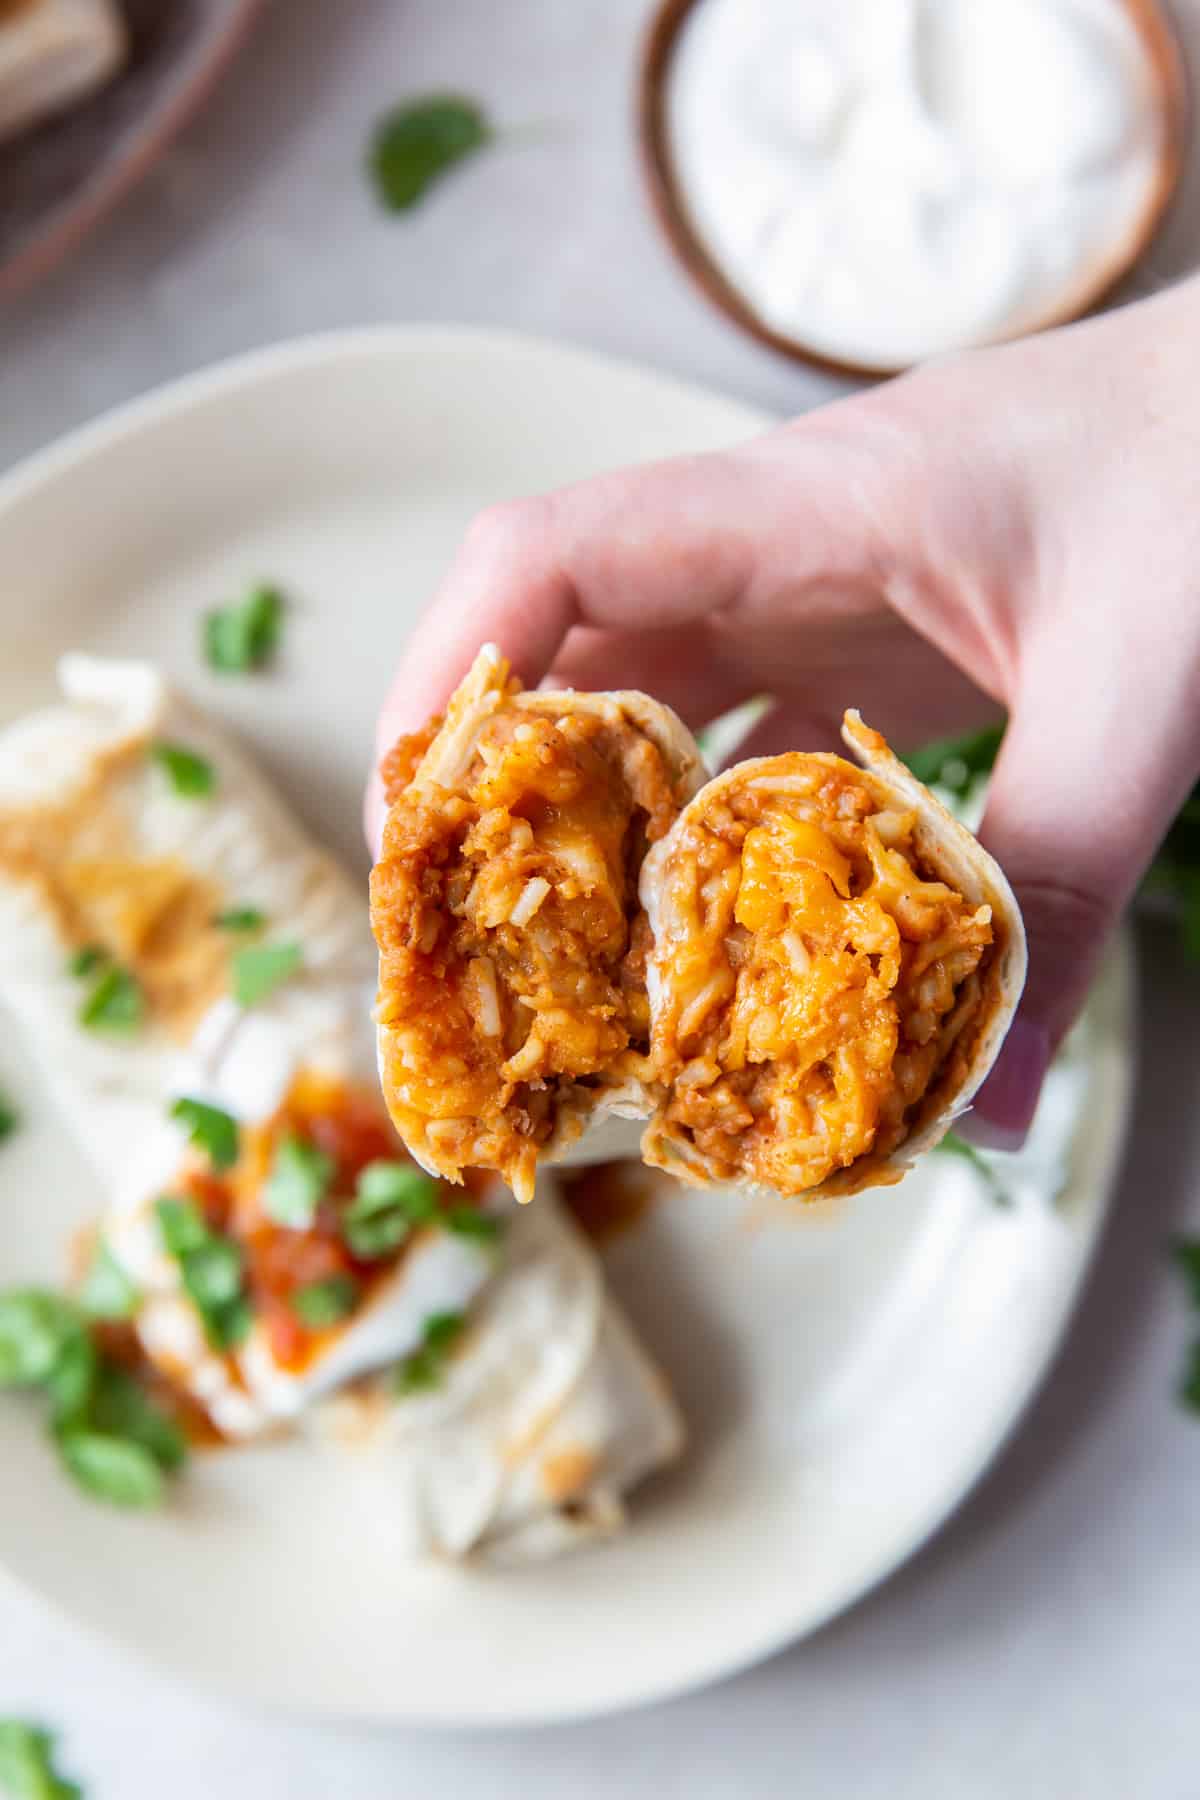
59	179
1165	60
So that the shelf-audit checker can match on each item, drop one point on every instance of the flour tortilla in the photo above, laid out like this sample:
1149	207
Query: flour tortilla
92	753
956	857
548	1415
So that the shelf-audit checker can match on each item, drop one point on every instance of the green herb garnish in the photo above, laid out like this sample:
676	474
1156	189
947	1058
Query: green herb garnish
424	1367
87	960
244	636
192	777
469	1222
37	1327
104	1423
240	918
121	1407
9	1119
107	1292
390	1201
27	1764
417	143
210	1129
116	1003
210	1268
259	970
953	1145
299	1181
325	1303
111	1468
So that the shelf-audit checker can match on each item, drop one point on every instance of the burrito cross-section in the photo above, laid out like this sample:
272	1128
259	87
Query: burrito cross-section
799	972
512	1004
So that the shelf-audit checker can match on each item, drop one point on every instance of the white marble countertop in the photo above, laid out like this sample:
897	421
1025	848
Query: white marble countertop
1044	1644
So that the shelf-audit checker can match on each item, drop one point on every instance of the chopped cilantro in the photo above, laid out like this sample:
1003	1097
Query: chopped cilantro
87	960
121	1407
210	1268
299	1181
390	1201
418	142
210	1129
244	636
181	1224
259	970
192	777
115	1004
9	1119
953	1145
424	1367
325	1303
469	1222
240	918
111	1468
37	1326
27	1769
107	1292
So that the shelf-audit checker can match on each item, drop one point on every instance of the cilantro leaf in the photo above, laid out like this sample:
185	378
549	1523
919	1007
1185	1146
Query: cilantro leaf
37	1326
424	1367
299	1181
325	1303
390	1201
192	777
210	1268
107	1292
87	960
115	1004
72	1381
953	1145
259	970
181	1224
956	763
418	142
469	1222
210	1129
9	1119
27	1764
244	636
122	1408
111	1468
240	918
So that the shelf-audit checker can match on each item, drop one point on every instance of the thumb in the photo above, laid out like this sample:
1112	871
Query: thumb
1079	801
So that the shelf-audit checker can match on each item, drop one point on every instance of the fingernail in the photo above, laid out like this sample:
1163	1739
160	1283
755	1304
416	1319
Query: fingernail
1004	1106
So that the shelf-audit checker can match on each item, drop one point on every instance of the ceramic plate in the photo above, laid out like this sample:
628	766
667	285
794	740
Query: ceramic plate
847	1375
58	180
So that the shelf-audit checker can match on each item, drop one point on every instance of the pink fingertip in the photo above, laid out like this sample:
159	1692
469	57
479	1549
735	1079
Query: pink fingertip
1005	1104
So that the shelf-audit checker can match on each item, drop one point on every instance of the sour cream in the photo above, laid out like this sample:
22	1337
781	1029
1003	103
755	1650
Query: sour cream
883	180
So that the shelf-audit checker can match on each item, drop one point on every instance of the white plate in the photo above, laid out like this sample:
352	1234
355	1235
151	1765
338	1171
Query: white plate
847	1377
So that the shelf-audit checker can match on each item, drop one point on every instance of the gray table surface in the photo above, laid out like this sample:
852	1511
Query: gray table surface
1044	1644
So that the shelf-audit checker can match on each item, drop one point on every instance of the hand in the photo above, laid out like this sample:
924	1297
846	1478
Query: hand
1015	527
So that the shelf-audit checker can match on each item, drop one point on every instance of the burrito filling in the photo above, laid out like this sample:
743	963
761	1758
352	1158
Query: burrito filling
820	985
512	944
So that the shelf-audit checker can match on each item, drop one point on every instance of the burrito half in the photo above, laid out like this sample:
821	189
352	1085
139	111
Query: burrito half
835	961
512	994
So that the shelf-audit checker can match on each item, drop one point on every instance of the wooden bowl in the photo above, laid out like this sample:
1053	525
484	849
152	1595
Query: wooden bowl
59	179
1164	58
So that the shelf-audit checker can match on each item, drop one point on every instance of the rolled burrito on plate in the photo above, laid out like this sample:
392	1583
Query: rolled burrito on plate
816	977
150	880
512	994
835	962
542	1418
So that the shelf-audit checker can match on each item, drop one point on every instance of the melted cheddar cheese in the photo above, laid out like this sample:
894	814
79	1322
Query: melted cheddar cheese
512	945
814	977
